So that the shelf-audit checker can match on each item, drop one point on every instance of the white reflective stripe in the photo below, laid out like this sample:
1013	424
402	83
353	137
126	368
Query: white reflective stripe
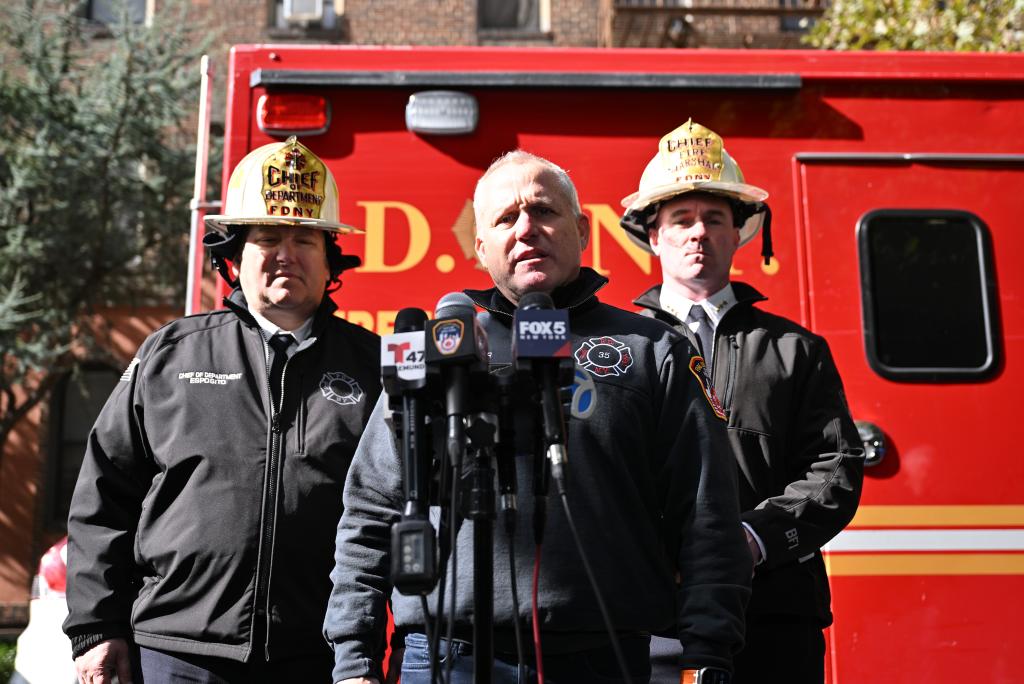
927	540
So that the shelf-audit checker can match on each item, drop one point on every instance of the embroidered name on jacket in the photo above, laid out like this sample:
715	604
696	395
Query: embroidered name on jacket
341	389
604	356
207	377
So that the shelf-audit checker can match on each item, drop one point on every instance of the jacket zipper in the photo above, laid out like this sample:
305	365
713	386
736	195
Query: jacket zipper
731	350
270	503
732	376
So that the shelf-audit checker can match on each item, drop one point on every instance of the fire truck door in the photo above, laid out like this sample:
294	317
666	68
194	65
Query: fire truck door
913	274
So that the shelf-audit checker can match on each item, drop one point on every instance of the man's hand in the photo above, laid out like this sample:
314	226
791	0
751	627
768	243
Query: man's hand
100	663
755	550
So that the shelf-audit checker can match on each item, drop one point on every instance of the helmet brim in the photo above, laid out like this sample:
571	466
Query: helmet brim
223	223
741	191
633	223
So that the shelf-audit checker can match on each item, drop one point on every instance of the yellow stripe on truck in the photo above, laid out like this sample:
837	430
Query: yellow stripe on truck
939	516
873	564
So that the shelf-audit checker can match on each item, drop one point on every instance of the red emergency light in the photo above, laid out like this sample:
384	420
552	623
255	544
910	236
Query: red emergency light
293	114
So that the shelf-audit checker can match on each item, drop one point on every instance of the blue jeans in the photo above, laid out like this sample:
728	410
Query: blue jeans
596	665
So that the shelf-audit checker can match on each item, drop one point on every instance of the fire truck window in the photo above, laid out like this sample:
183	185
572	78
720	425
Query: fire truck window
76	403
928	295
108	11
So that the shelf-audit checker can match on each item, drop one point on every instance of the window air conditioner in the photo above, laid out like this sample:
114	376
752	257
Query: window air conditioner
303	11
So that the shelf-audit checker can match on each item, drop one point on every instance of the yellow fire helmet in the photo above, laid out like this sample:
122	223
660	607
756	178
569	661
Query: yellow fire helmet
281	184
692	158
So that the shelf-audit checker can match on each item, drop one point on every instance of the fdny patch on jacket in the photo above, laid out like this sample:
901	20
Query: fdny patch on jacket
700	371
604	356
341	389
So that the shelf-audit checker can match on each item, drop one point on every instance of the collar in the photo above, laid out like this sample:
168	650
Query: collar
237	303
270	328
714	306
579	295
742	294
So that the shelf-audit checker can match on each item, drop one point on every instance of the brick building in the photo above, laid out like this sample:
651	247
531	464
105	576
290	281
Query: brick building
41	457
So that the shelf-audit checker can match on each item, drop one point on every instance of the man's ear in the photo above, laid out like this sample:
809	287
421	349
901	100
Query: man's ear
653	238
583	230
478	247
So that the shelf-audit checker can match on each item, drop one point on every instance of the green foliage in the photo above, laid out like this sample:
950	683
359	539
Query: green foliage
96	163
7	650
955	25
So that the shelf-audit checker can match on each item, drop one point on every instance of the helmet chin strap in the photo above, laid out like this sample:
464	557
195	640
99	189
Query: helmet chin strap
220	246
766	236
225	272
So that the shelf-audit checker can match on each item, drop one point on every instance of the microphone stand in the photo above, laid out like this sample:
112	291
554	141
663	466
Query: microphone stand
481	510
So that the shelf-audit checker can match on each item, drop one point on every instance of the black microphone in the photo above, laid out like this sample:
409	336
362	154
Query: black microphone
456	346
404	376
541	347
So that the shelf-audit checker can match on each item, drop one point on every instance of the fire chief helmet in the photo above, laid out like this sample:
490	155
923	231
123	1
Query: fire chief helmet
280	184
692	158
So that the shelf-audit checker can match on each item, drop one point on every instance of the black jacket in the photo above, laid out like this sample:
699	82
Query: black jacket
647	487
194	517
799	456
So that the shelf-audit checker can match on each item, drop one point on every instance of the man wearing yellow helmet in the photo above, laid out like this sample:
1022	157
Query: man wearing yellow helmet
800	465
202	526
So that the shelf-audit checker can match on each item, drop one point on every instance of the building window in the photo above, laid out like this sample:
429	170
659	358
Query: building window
108	12
305	14
509	15
929	295
797	23
75	404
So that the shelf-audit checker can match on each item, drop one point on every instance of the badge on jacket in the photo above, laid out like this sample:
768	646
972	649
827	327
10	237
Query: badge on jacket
604	356
700	371
341	389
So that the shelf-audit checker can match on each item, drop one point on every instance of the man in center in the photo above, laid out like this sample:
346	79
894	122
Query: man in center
650	488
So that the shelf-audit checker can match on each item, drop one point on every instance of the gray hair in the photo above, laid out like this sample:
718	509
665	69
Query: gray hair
523	157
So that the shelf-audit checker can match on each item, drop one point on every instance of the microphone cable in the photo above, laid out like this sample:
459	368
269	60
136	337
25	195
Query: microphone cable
446	553
536	616
510	530
593	583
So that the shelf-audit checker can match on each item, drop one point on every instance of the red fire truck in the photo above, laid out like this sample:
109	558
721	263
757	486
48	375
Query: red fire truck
897	185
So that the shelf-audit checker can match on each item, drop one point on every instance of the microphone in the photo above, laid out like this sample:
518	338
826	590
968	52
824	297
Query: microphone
456	346
404	376
541	347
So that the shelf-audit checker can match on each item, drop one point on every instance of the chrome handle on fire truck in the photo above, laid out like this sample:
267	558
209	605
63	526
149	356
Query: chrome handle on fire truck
874	442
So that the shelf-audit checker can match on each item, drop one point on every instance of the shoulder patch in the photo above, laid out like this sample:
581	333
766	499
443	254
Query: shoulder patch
700	371
130	370
604	356
341	389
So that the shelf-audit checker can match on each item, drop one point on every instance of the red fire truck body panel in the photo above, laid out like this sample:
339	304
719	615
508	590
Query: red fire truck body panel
928	578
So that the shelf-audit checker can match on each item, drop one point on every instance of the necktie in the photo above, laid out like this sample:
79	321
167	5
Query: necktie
704	332
279	345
